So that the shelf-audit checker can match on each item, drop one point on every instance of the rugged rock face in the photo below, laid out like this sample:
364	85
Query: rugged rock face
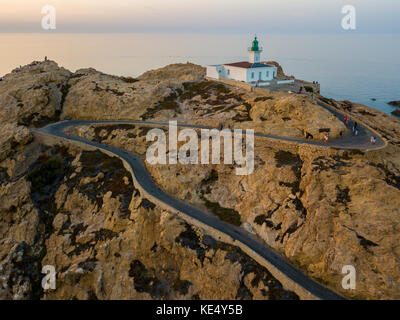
94	95
276	64
396	112
34	94
293	116
180	71
80	212
12	137
387	126
323	209
394	103
178	92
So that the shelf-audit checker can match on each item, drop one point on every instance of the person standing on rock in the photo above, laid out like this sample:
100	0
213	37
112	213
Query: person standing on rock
326	138
346	119
301	90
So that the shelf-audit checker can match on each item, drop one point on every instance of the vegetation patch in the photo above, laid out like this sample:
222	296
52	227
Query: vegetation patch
309	89
64	91
366	243
129	79
190	239
109	129
95	162
104	235
225	214
244	115
286	158
147	204
113	91
249	266
181	286
45	173
168	103
202	88
205	89
366	113
324	164
3	175
145	281
258	99
391	179
261	219
342	195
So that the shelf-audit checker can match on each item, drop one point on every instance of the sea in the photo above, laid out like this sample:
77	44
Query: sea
363	68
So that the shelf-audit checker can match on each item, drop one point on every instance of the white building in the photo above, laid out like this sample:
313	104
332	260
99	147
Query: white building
251	71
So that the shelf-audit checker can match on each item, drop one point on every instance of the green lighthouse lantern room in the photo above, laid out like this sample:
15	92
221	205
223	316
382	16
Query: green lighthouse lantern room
255	45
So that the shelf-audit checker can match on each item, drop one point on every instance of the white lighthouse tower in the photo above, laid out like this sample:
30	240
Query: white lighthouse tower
250	71
255	52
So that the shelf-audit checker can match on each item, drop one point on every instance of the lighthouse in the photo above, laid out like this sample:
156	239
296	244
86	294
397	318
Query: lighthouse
255	52
250	71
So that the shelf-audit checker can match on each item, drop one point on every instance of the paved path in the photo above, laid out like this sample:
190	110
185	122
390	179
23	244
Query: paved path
238	234
361	142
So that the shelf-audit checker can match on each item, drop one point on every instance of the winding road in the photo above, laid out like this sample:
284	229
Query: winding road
294	279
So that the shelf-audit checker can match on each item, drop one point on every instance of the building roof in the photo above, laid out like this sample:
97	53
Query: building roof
247	65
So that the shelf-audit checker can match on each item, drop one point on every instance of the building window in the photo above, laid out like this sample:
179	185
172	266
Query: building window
219	71
267	74
252	75
229	71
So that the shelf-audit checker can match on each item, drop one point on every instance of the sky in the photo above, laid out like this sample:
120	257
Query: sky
200	16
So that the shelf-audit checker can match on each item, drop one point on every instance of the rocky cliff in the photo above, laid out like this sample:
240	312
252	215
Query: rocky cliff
78	210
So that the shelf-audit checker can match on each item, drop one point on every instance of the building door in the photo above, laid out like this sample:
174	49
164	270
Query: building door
259	76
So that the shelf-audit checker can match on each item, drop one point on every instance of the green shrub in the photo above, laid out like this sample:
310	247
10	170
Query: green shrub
309	89
45	173
225	214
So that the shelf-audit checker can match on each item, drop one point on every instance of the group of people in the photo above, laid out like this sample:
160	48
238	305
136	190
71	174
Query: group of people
29	66
354	129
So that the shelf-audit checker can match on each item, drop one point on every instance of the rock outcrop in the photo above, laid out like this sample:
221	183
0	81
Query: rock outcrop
276	64
321	208
79	211
33	95
394	103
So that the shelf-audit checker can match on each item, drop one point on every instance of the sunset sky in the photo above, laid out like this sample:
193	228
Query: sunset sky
208	16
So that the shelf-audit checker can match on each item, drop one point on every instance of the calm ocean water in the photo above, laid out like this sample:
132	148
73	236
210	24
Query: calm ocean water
348	66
